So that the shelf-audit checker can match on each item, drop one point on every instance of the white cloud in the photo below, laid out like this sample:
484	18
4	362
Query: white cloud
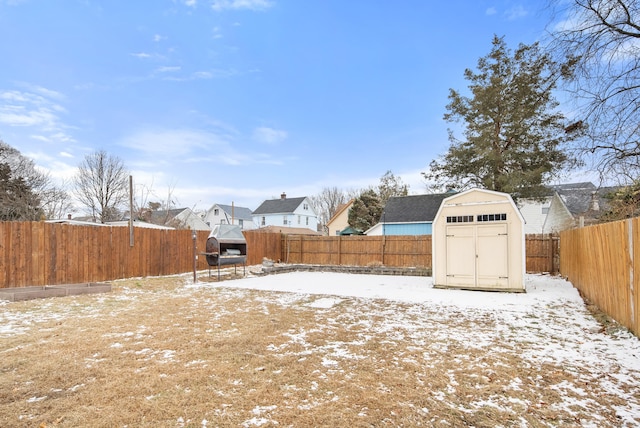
516	12
28	114
491	11
167	69
269	135
219	5
171	142
141	55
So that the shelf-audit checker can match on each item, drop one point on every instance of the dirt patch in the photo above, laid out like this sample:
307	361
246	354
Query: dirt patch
161	352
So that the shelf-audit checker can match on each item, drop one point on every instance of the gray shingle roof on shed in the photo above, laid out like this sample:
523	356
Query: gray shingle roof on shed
413	208
279	206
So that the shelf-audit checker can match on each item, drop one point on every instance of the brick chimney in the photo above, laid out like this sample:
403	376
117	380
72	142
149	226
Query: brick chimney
594	205
283	196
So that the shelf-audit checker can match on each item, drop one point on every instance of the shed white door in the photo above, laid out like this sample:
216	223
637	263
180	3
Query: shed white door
477	256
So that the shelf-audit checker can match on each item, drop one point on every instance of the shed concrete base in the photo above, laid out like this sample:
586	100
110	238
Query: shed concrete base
39	292
459	287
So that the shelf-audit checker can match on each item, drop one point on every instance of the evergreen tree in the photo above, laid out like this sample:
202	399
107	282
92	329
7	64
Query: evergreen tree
513	134
365	211
18	180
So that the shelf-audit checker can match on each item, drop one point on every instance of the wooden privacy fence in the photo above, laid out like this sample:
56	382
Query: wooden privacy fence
39	253
603	262
398	251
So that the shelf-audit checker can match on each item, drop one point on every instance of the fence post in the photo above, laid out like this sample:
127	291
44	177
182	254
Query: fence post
631	273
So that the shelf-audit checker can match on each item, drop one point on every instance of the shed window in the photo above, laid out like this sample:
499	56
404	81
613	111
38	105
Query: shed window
492	217
460	219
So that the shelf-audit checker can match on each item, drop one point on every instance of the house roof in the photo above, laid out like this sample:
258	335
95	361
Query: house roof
588	201
238	212
350	231
413	208
339	211
163	216
279	206
583	185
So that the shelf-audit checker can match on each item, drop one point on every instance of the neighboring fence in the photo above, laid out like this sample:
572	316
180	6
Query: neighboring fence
398	251
543	253
392	251
39	253
603	262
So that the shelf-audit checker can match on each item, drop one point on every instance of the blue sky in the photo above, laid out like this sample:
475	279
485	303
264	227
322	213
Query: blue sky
236	101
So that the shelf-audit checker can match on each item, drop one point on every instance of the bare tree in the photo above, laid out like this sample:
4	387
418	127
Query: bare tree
101	185
327	202
390	185
604	37
56	202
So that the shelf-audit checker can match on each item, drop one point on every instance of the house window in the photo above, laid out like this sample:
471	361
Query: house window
305	206
492	217
216	212
460	219
284	220
307	221
241	223
264	221
298	219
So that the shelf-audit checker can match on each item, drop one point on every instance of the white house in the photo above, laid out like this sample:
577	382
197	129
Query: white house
229	214
288	212
179	218
567	205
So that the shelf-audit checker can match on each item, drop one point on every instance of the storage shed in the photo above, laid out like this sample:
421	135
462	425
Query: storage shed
478	242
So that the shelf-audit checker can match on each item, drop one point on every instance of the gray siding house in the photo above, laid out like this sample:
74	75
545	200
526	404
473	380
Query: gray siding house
409	215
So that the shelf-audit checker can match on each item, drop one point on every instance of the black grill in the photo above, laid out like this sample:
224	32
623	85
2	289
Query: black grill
226	246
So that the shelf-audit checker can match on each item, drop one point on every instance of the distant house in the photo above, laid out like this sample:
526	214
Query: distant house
288	212
229	214
339	223
409	215
577	204
179	218
566	206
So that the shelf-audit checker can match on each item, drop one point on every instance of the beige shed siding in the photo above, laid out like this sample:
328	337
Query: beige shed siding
483	255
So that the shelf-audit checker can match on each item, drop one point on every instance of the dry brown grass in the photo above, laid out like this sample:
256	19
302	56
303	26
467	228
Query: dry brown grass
154	353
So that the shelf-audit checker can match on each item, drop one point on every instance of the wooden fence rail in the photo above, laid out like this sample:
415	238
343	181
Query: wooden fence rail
603	262
39	253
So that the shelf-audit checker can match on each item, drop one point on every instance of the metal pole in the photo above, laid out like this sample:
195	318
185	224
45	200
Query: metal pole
131	211
195	256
